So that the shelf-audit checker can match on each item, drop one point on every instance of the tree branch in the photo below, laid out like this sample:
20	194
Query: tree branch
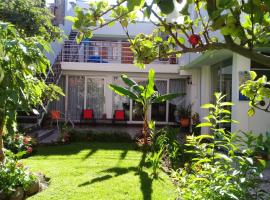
252	54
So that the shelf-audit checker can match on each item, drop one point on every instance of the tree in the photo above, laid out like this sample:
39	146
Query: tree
143	95
23	69
31	18
244	26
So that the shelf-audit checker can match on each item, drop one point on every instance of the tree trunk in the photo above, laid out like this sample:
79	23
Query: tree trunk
2	125
145	126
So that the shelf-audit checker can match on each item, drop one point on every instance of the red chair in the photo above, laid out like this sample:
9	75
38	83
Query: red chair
88	114
55	115
119	115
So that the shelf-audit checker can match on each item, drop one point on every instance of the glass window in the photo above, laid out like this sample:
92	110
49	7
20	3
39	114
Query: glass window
75	96
121	102
60	104
95	96
158	110
222	79
176	86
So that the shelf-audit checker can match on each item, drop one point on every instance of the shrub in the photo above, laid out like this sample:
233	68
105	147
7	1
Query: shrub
89	135
19	142
165	140
220	168
14	175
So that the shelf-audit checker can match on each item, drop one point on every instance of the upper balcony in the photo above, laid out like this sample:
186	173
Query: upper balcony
103	52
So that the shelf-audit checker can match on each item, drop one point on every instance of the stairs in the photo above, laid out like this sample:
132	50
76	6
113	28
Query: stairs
29	120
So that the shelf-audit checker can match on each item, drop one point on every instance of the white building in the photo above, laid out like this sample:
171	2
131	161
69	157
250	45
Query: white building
88	68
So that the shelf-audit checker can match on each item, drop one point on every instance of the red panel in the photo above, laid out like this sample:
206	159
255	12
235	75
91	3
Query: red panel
88	114
55	115
119	115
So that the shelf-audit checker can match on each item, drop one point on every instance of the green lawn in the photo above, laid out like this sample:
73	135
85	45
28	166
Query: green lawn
99	171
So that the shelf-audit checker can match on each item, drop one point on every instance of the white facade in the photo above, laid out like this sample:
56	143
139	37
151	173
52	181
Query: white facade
204	65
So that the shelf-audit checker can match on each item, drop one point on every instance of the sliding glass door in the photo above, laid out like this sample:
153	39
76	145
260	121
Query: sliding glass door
95	96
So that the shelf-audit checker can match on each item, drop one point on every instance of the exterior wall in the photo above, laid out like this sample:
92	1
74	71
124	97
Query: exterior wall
108	77
239	110
259	123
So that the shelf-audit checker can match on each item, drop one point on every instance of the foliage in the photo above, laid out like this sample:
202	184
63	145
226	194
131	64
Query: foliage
13	174
143	95
93	136
31	18
243	26
19	143
258	92
23	69
259	145
220	167
166	141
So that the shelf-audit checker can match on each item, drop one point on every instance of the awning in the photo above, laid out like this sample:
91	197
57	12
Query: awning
208	58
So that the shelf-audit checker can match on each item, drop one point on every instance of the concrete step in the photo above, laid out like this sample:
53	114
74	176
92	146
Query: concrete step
41	134
54	137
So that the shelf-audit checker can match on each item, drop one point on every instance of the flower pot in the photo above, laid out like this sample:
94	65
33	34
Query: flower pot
184	122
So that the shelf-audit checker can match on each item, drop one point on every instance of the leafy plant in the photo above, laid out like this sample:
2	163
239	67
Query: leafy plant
19	143
13	175
220	167
23	68
92	136
143	95
258	92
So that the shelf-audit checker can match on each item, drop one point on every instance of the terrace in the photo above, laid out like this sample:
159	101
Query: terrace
103	52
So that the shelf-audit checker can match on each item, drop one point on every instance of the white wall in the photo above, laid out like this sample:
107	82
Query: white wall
239	110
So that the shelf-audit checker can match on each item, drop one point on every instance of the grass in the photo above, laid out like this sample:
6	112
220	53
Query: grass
97	171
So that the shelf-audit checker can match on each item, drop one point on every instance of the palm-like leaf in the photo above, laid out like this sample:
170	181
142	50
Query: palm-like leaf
123	92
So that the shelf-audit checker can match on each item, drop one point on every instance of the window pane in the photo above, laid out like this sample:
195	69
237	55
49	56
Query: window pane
95	96
176	86
121	102
75	96
159	109
59	104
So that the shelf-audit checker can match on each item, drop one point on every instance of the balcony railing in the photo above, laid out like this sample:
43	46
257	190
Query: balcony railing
103	52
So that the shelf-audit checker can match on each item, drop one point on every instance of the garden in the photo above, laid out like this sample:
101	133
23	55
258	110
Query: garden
160	163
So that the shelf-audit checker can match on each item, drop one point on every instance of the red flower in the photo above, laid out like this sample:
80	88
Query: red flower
194	39
29	150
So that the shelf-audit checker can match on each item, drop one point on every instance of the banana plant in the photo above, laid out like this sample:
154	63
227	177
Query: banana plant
143	95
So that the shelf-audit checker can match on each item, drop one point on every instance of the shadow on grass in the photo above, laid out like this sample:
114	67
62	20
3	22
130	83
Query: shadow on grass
77	147
145	180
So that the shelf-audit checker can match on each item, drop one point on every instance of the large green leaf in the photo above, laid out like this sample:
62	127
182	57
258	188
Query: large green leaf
151	83
135	4
123	91
167	97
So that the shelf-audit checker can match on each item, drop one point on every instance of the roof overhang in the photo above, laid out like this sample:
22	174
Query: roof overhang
209	58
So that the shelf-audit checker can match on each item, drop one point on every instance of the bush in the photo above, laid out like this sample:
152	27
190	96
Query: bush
19	142
14	175
88	135
167	141
220	168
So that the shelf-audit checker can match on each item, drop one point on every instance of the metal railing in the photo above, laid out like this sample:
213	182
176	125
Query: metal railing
103	52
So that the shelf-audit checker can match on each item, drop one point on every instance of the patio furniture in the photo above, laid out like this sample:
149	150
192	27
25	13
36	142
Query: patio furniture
88	115
119	115
96	59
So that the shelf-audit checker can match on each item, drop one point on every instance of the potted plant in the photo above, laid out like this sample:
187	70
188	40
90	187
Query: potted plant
185	115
